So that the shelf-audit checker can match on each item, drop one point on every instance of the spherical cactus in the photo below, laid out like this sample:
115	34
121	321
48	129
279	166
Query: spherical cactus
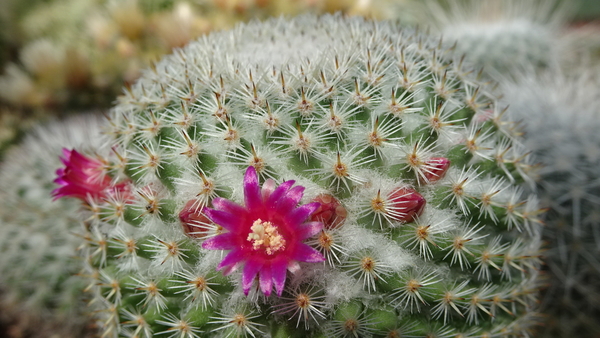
501	35
38	241
563	115
322	177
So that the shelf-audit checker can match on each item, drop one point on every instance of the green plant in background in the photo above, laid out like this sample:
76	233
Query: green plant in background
587	10
78	53
37	243
562	112
309	177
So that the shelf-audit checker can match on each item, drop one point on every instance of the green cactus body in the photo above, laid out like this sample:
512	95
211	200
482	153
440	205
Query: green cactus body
423	227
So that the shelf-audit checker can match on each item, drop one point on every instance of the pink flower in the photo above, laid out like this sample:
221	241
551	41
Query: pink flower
83	177
266	235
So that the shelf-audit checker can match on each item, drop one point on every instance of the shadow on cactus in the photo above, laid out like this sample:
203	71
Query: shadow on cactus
359	170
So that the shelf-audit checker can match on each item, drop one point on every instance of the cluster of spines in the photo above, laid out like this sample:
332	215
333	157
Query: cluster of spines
367	123
38	262
563	106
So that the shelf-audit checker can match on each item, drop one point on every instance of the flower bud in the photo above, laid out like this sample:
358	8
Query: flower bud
330	212
407	204
436	169
193	221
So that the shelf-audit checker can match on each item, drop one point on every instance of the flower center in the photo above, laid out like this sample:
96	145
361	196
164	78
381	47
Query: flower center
265	236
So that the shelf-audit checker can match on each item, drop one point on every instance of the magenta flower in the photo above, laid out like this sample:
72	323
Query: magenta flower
266	235
83	177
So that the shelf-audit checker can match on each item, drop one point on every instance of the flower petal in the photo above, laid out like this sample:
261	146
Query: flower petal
251	268
293	267
290	200
229	269
266	280
225	219
252	195
305	253
301	213
233	257
309	229
279	192
220	242
268	188
223	204
279	272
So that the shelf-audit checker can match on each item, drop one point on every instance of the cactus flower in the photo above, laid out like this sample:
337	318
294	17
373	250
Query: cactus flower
84	177
266	234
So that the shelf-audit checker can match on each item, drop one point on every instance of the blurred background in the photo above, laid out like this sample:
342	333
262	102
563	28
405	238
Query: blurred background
58	57
65	57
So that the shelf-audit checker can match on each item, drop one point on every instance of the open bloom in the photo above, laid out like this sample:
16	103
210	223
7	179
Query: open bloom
84	177
266	235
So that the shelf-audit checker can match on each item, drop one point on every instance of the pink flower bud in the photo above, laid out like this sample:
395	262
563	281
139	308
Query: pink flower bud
194	222
84	177
330	212
407	204
436	169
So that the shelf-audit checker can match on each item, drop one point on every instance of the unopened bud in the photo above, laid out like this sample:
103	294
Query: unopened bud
330	212
436	169
193	221
407	204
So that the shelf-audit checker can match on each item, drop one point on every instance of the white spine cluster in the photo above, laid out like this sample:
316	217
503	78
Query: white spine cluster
563	115
38	236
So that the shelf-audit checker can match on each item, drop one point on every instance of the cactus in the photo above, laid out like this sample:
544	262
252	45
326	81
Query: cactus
563	115
38	247
321	177
501	35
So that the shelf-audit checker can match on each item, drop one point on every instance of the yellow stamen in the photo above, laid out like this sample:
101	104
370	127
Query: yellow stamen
265	235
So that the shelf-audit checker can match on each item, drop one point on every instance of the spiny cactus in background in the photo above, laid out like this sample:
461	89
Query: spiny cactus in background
38	247
500	34
326	177
562	112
